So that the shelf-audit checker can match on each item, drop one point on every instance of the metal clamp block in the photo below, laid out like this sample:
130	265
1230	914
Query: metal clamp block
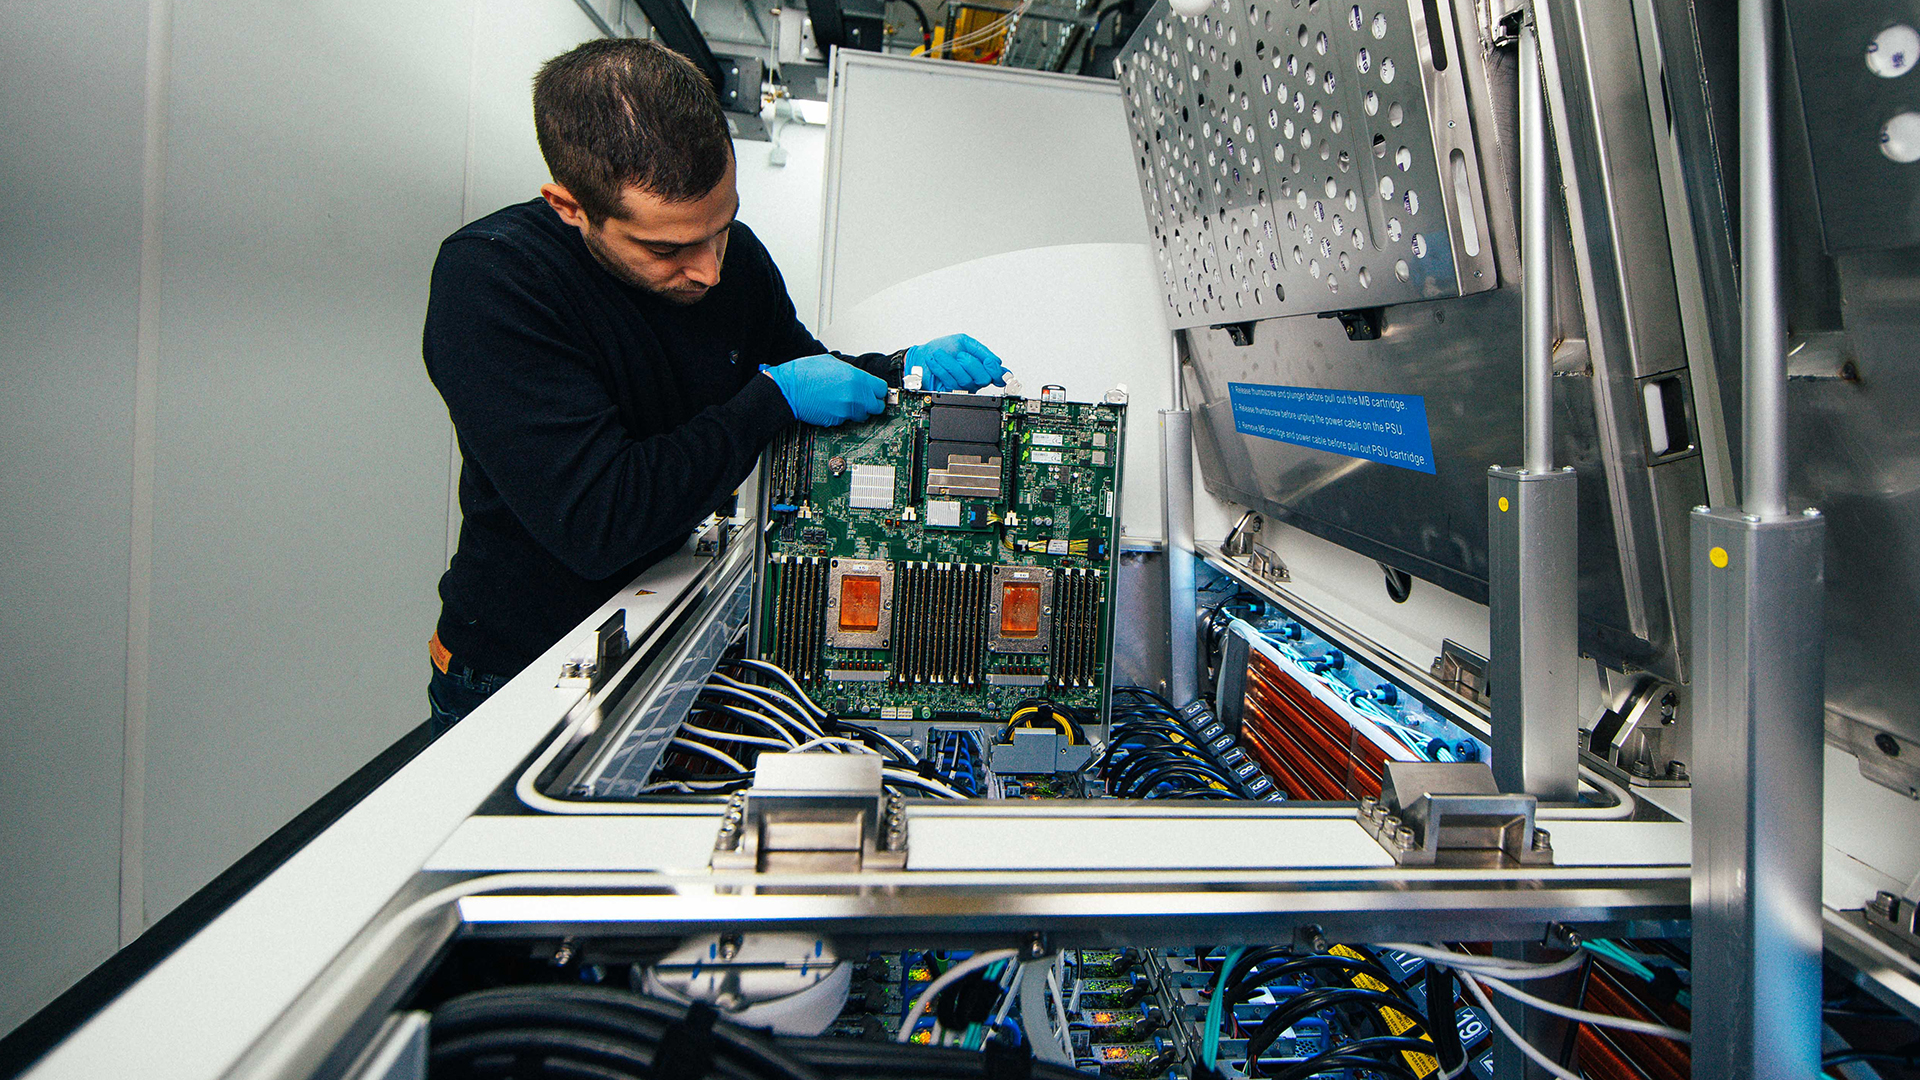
1898	916
811	814
1451	814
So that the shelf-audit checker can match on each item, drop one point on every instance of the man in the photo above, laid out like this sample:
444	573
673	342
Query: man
615	356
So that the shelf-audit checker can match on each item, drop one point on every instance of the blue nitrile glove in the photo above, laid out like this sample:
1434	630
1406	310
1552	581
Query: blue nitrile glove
956	362
826	391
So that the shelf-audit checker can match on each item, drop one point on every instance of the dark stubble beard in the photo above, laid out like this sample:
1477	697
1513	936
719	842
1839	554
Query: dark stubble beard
601	255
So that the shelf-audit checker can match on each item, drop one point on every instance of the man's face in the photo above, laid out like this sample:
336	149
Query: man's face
673	250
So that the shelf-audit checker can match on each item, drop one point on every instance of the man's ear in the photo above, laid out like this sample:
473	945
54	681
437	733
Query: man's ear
565	205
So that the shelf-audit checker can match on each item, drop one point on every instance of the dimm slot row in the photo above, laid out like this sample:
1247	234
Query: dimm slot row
792	466
940	614
1077	594
799	614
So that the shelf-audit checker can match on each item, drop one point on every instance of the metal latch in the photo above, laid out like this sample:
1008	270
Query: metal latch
1462	671
1896	915
1452	814
813	814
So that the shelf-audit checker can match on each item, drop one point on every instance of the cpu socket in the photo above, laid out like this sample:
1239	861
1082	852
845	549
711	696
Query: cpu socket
860	603
1020	610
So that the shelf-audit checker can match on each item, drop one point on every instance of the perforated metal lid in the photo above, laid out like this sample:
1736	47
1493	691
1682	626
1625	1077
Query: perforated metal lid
1304	156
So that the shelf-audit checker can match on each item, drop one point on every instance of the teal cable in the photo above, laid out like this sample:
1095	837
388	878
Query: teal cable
1620	956
1210	1045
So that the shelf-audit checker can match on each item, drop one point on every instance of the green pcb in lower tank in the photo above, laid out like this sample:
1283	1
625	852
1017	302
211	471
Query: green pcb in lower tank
952	555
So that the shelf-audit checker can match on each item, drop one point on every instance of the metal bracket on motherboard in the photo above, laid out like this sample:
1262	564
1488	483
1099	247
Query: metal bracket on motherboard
1434	813
813	813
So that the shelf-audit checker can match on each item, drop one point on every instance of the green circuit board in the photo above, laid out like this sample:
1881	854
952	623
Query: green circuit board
953	555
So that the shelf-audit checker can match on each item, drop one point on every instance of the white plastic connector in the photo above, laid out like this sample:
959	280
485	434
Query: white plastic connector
914	378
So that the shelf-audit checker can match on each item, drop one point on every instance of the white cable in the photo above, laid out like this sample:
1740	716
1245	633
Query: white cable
832	742
734	736
1004	24
987	32
1597	1019
1053	988
1622	808
686	787
1008	993
767	722
718	755
1516	970
901	776
1483	968
762	693
756	699
776	669
786	677
952	975
1513	1036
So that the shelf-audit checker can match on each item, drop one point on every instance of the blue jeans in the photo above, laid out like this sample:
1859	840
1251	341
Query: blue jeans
454	693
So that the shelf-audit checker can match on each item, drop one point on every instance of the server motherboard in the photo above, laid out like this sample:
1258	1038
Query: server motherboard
952	556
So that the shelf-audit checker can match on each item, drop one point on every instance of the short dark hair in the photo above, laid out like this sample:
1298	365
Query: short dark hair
622	112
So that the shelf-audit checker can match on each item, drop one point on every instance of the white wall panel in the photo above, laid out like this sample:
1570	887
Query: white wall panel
781	203
934	163
511	39
317	154
71	128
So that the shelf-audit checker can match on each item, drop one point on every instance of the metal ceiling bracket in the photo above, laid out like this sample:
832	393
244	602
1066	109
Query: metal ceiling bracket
1240	333
1633	734
1885	758
1361	324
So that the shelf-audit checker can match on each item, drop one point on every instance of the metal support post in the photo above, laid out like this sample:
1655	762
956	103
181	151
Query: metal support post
1757	609
1536	257
1759	629
1532	563
1534	574
1550	1033
1176	489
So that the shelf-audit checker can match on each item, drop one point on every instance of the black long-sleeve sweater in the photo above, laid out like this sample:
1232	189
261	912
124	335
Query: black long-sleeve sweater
597	423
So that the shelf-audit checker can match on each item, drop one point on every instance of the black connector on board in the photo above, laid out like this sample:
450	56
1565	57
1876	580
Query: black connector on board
1218	745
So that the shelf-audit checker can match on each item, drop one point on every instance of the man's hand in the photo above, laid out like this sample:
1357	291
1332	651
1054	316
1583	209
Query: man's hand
956	362
826	391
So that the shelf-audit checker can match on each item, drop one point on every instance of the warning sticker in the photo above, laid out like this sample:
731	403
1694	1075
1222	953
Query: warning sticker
1388	428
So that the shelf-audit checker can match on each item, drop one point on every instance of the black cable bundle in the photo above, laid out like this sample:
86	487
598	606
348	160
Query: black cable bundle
1440	1019
1381	1053
1150	748
558	1032
528	1032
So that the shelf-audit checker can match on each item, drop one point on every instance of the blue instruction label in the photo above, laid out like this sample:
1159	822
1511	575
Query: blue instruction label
1388	428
